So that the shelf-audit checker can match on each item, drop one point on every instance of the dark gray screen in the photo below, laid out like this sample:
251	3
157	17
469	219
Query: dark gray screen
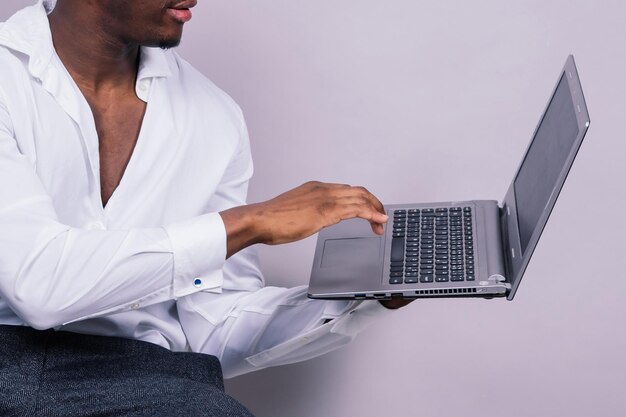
545	160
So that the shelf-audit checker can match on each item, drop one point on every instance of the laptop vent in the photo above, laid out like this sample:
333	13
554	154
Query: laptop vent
446	291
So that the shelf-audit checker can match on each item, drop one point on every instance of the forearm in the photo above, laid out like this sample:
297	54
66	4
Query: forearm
299	213
271	326
53	274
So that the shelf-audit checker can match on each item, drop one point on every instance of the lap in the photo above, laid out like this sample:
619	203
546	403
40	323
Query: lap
64	374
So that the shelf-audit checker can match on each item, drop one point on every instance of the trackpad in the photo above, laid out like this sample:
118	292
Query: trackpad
340	253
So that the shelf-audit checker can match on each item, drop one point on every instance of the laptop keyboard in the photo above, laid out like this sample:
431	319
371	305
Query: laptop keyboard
432	245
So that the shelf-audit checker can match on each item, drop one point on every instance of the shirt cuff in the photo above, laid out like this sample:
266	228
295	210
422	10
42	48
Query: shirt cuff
360	317
199	247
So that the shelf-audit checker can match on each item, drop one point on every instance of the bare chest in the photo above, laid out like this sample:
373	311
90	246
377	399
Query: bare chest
118	124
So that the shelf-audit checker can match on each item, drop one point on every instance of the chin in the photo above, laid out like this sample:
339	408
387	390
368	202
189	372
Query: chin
163	42
168	43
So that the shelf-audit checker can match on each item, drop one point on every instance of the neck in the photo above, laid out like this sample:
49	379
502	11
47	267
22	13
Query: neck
95	58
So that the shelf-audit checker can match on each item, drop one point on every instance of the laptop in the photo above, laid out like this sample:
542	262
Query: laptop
478	248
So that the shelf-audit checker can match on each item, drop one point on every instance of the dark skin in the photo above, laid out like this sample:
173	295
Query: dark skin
103	61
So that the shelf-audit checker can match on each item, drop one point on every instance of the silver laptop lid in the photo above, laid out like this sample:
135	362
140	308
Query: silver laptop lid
543	170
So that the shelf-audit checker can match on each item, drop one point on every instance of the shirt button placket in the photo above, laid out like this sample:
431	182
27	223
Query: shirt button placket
96	226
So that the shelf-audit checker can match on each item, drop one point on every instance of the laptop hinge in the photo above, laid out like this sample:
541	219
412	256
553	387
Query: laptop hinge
504	234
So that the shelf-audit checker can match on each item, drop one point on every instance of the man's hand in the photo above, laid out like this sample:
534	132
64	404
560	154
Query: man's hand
299	213
396	303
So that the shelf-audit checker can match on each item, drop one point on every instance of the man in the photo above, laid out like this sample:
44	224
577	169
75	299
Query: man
123	178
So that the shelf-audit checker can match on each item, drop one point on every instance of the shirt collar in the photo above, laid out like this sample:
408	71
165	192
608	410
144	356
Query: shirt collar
153	63
28	32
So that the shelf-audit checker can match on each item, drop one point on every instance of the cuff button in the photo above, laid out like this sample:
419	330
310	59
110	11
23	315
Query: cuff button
197	282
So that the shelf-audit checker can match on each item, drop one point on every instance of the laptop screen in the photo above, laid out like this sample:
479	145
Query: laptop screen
545	160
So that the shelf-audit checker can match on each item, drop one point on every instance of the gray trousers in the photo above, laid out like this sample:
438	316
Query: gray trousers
48	373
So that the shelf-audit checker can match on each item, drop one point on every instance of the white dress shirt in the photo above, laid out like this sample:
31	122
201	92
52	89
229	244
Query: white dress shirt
151	264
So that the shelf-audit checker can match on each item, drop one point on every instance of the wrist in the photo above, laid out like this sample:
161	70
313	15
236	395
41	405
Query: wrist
242	228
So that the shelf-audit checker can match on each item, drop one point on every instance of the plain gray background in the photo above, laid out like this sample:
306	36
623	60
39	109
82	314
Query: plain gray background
430	101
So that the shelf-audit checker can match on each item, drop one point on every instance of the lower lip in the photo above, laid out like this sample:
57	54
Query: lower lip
182	15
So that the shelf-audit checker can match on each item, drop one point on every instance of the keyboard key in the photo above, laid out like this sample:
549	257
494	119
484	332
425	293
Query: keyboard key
427	278
396	269
441	278
395	280
410	280
395	274
397	249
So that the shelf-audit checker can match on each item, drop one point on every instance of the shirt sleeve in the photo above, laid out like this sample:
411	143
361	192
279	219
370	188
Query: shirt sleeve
250	329
52	274
249	326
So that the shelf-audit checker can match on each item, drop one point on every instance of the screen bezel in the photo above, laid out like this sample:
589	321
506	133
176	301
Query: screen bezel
516	263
